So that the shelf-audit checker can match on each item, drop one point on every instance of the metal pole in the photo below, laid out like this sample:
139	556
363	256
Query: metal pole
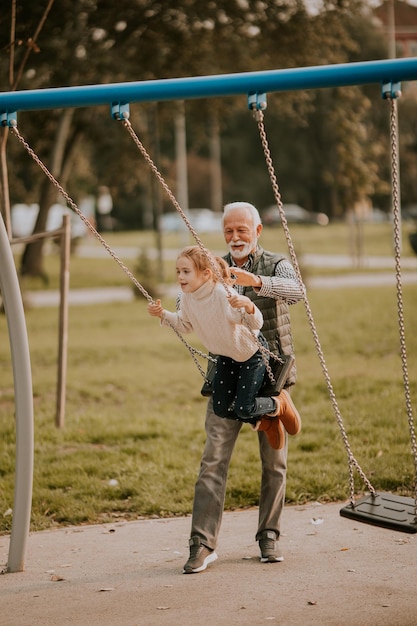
315	77
65	241
181	163
216	197
12	299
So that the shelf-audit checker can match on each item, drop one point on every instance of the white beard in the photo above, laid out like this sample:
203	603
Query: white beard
244	252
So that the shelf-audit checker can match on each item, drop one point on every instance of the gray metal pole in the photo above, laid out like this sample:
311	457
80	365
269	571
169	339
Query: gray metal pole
22	375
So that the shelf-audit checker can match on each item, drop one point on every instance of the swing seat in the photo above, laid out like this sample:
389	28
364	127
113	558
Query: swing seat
386	510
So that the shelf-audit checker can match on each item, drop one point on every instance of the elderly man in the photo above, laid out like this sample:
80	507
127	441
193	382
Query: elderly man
270	281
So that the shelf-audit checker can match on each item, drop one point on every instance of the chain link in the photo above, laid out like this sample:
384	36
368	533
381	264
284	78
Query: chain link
194	352
74	207
396	214
353	463
266	354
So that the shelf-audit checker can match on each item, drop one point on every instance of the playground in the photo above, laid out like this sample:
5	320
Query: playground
336	570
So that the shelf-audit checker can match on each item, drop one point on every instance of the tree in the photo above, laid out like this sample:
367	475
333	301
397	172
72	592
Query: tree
14	77
328	145
152	40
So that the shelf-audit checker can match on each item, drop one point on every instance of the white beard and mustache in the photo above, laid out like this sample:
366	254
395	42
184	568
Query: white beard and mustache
245	251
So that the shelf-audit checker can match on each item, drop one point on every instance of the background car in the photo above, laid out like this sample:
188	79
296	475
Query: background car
295	214
202	220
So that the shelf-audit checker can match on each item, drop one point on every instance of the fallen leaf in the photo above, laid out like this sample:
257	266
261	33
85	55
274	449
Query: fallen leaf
107	589
55	578
312	602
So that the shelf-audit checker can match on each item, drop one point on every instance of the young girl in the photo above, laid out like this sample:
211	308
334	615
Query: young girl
228	324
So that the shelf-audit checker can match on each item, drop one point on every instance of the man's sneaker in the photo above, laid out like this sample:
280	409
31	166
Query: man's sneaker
268	548
287	413
200	557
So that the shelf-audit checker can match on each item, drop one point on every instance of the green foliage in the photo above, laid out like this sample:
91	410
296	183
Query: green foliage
330	146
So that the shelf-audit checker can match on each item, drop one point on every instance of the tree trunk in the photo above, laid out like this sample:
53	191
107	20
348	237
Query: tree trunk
32	259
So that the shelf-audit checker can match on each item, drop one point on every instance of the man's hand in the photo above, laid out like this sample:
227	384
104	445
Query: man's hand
247	279
242	302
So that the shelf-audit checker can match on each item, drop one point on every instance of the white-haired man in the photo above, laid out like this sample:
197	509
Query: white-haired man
270	281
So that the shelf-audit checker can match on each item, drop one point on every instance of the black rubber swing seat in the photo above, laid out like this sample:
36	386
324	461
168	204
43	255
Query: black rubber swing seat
386	510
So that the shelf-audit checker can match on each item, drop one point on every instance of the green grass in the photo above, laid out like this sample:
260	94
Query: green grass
134	412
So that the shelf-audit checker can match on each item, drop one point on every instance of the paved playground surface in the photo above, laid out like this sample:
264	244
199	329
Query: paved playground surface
336	572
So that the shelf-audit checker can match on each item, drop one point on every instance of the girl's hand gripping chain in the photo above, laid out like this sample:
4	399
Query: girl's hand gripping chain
155	309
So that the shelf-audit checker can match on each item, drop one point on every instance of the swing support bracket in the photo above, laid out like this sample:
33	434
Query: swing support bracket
257	104
120	110
9	119
257	101
391	90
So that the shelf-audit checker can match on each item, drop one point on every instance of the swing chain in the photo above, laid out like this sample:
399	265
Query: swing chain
351	459
396	213
264	351
126	123
74	207
76	210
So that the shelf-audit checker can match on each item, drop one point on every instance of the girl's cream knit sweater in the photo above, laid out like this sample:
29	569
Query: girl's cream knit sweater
221	328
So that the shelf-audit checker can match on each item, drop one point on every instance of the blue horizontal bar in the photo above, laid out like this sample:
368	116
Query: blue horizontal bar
384	71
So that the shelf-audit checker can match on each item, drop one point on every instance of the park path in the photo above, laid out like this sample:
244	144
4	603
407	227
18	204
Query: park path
366	278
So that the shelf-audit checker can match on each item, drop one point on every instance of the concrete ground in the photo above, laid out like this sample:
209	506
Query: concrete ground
336	572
